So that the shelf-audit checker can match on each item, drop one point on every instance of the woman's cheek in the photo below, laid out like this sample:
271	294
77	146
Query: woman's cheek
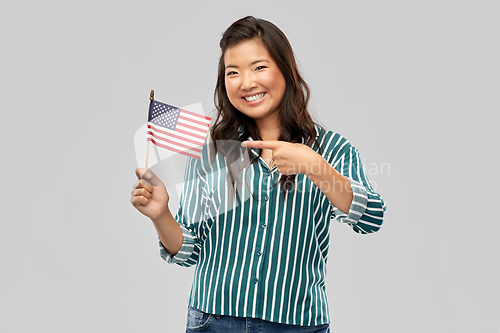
231	91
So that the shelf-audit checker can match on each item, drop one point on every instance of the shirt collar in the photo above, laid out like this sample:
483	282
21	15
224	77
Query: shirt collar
241	129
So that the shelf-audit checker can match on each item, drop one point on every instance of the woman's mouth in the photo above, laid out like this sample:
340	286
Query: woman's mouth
254	98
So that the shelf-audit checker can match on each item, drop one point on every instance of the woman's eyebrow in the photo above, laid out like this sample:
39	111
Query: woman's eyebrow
253	63
257	61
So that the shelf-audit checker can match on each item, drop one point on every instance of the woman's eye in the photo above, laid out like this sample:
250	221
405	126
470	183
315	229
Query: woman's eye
259	68
231	73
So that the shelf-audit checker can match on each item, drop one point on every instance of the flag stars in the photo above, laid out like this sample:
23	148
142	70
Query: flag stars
164	115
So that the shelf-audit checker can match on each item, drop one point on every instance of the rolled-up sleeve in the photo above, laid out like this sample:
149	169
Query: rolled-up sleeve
367	209
189	216
187	254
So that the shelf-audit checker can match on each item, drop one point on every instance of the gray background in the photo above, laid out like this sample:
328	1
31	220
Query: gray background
412	84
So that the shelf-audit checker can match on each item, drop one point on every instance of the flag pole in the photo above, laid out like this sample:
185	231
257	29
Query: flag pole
151	97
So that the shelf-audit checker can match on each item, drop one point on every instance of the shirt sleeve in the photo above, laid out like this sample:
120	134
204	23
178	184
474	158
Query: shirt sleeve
190	215
367	209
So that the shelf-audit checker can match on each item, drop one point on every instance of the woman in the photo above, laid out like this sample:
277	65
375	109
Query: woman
261	259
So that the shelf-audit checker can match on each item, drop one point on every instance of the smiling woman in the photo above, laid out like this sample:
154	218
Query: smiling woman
261	263
267	43
254	84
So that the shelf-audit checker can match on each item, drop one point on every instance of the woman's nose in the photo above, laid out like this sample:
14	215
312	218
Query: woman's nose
248	82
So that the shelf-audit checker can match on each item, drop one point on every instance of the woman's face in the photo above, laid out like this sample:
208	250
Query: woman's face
254	83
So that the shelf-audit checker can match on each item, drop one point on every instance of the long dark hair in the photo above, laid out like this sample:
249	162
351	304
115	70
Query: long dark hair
296	122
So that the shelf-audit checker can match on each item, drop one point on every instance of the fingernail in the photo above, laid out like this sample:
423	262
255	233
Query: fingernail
148	175
243	144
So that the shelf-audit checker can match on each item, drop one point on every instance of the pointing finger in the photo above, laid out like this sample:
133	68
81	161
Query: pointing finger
262	144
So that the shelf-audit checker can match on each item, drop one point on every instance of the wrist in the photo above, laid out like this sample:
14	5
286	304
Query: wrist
317	167
163	219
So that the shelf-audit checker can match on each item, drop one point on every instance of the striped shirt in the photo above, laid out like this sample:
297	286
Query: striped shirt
265	256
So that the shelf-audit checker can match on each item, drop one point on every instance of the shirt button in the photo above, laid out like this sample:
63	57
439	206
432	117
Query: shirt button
255	280
259	253
264	226
266	198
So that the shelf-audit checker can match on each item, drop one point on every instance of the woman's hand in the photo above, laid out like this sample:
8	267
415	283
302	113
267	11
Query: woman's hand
290	158
295	158
149	194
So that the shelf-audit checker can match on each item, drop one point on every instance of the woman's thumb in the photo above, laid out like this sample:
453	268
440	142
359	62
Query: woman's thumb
149	176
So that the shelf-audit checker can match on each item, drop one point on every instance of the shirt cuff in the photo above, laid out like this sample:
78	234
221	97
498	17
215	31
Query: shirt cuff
358	205
184	252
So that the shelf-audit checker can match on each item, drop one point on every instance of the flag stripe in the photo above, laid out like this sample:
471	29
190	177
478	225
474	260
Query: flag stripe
197	117
183	152
196	114
170	141
187	121
188	126
173	146
201	137
193	121
191	130
176	136
181	133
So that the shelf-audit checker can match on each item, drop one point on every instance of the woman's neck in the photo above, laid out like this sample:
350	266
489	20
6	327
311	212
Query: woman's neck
269	131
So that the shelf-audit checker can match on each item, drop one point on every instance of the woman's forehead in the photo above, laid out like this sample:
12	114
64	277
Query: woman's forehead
249	50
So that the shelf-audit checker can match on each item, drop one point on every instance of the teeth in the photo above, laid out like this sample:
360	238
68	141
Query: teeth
254	97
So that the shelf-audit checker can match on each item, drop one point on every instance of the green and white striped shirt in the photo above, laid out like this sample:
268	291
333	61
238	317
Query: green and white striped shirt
266	256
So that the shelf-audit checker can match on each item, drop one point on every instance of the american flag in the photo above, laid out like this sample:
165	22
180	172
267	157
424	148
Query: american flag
177	130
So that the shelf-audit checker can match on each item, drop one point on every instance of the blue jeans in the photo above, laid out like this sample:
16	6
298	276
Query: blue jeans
198	321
